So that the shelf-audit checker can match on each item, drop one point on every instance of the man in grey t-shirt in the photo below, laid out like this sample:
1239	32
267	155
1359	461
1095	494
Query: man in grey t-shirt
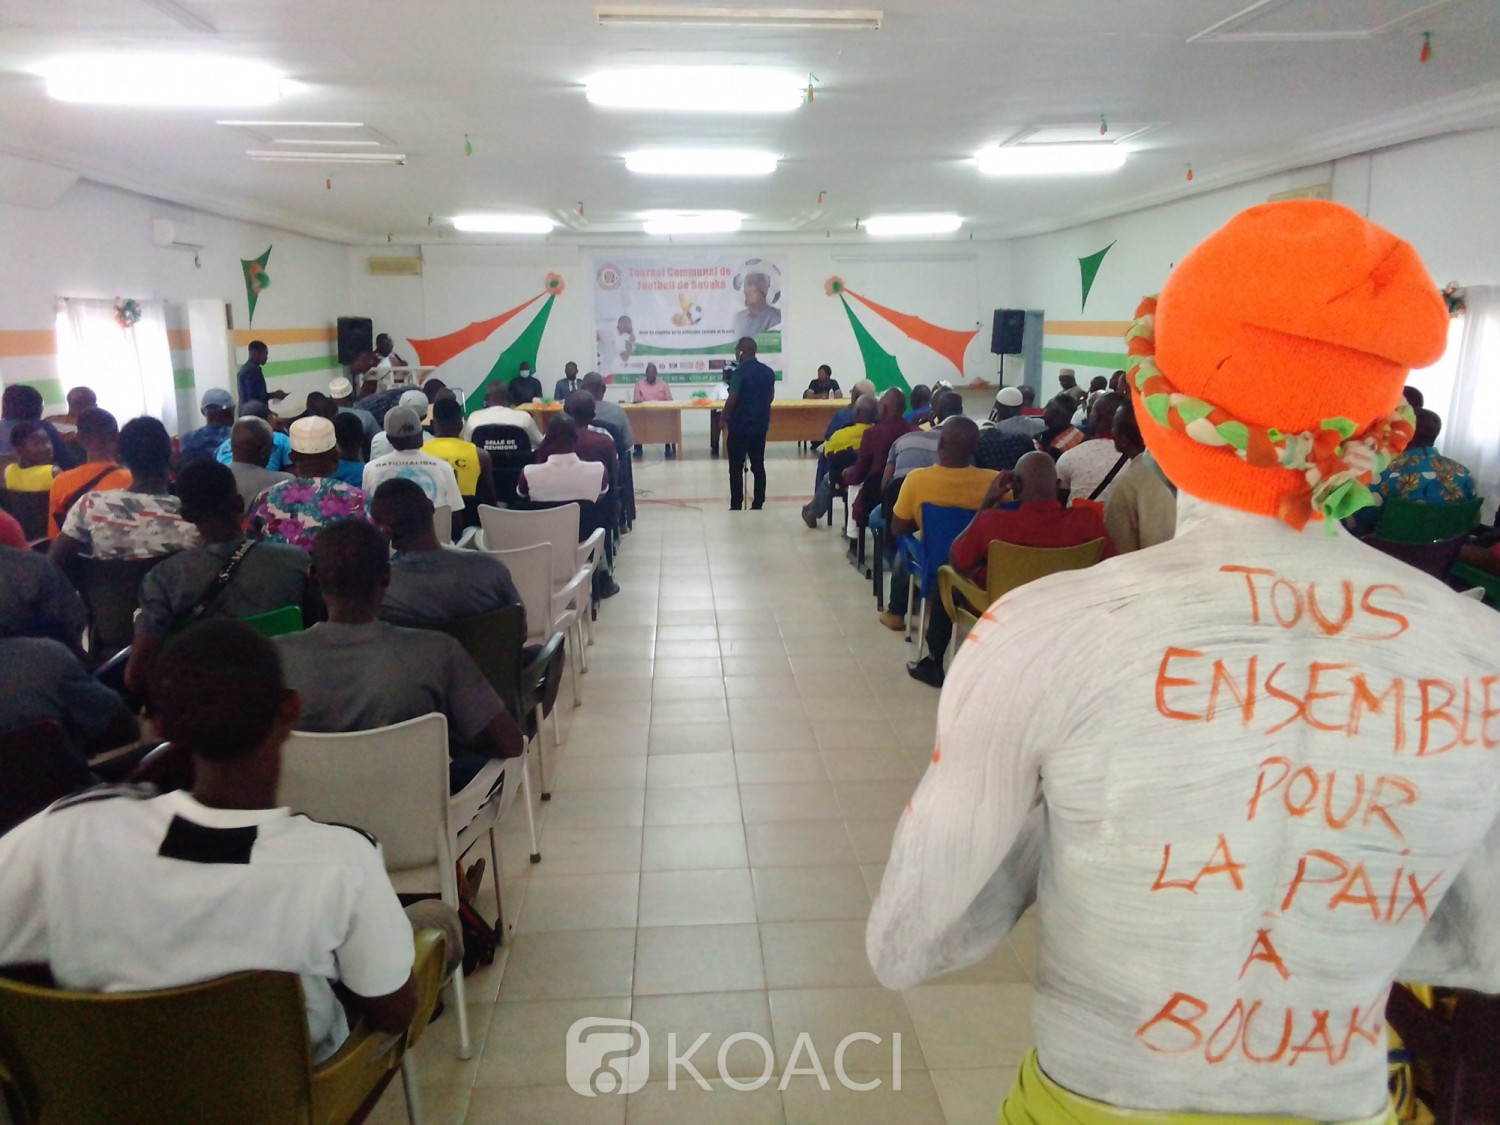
355	672
265	576
430	582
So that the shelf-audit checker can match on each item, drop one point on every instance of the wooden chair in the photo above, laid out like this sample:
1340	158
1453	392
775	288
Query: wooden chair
393	783
233	1051
1007	566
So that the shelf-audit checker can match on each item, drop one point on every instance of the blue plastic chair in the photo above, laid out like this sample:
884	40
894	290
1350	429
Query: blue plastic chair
922	557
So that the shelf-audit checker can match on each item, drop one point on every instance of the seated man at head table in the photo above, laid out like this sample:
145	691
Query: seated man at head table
85	885
356	672
653	388
1216	937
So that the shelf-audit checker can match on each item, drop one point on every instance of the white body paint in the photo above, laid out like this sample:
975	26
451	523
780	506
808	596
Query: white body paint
1061	777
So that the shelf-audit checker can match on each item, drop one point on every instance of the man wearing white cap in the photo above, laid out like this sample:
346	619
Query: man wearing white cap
416	402
435	476
1007	416
341	390
294	510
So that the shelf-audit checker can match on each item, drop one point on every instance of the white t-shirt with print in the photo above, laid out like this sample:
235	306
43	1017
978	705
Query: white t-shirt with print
435	475
121	524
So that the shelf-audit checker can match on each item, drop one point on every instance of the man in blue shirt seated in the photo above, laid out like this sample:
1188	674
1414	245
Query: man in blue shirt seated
1418	475
281	448
203	443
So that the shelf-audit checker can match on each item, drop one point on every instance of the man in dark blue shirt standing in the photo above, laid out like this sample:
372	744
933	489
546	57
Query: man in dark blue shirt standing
252	380
747	417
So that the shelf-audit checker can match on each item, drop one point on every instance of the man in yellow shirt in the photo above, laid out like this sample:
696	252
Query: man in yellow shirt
846	442
471	465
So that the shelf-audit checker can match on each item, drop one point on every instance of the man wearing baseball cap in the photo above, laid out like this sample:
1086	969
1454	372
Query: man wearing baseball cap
1265	785
218	413
415	401
292	511
403	428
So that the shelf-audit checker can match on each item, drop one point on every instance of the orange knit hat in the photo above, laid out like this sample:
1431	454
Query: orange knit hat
1268	374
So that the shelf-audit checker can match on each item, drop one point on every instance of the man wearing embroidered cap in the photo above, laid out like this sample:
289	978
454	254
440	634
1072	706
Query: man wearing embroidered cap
292	511
1278	793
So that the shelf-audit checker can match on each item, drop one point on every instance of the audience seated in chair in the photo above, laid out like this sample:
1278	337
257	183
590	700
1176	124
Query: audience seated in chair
33	468
472	467
875	447
431	583
954	482
591	443
280	460
86	885
138	522
349	434
920	412
1033	518
292	512
22	403
840	451
1419	475
1141	509
415	401
218	417
403	428
610	414
251	444
227	576
98	435
497	411
355	672
563	476
1084	471
1058	432
919	449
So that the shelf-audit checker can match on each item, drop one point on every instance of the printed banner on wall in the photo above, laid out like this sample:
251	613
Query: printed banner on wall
685	314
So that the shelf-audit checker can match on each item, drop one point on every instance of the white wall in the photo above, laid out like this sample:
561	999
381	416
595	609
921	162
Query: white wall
97	242
1442	195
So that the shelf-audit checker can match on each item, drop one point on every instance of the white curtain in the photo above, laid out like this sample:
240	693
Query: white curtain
130	369
1471	422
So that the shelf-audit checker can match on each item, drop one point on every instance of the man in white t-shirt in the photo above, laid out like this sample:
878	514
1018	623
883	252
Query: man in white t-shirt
496	412
435	476
563	476
1084	468
119	888
415	401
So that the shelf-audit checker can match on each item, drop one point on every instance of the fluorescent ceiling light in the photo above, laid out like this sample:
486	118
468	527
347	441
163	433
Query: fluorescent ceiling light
170	80
322	141
685	15
698	89
701	162
1050	160
885	226
503	224
691	222
295	124
274	156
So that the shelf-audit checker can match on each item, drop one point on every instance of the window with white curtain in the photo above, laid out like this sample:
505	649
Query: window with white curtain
130	369
1471	413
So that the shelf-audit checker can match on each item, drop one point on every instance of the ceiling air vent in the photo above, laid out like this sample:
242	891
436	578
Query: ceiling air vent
1312	191
396	267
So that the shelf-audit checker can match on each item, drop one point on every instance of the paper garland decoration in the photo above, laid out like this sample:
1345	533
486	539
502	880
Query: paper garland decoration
1425	55
1088	269
127	311
468	148
256	279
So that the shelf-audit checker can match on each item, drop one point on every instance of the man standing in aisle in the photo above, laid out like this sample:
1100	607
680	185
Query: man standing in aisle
747	417
251	379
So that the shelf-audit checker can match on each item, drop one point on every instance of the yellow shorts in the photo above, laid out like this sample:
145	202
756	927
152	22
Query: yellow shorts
1037	1100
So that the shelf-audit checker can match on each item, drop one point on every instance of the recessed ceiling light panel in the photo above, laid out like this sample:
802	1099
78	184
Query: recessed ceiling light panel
293	156
689	15
698	89
492	223
701	162
692	222
1050	160
161	80
894	226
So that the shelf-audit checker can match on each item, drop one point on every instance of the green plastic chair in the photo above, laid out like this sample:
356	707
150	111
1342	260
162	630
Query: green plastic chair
1404	521
272	623
1489	583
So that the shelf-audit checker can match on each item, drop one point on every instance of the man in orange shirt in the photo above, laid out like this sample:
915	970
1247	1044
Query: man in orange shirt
99	434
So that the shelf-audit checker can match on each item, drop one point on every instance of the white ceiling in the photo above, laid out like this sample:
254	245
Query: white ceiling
1234	88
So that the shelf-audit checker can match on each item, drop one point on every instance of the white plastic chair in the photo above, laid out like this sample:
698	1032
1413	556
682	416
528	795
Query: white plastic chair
442	523
506	528
547	612
393	783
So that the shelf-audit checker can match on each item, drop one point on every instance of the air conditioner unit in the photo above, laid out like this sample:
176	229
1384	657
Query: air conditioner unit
167	232
396	267
1313	191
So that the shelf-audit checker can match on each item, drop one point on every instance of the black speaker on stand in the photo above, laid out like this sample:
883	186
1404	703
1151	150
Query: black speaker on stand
1007	335
356	336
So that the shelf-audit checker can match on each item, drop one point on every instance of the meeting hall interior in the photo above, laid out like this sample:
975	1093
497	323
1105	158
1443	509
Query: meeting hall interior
941	558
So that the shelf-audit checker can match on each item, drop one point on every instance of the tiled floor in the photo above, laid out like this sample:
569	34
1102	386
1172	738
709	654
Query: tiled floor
722	810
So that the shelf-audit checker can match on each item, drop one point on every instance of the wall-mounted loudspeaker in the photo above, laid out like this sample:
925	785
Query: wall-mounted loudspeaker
356	336
1009	331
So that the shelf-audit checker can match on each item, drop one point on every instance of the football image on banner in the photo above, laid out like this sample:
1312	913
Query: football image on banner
685	314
